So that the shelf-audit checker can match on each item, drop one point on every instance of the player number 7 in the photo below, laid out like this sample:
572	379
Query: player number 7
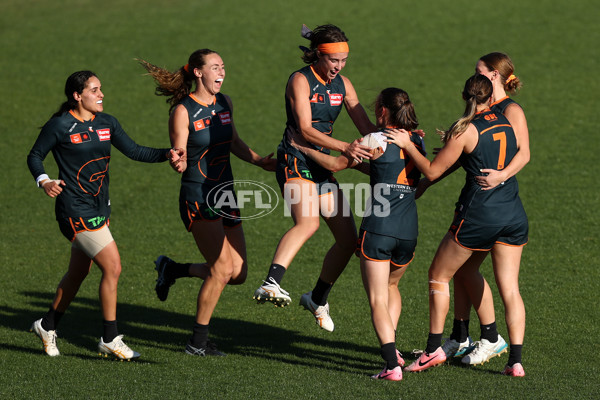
501	137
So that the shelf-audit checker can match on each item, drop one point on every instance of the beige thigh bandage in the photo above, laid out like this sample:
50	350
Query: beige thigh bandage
436	287
92	242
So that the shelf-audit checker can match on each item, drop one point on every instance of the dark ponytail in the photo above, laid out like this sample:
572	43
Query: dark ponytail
401	109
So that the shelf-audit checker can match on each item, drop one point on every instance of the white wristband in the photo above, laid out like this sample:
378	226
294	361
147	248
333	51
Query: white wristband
40	178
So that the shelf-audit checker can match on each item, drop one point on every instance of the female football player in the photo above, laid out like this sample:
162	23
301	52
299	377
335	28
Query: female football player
497	67
485	220
80	137
385	248
201	124
314	97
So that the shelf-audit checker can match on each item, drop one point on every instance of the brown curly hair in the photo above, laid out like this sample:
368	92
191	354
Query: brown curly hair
178	84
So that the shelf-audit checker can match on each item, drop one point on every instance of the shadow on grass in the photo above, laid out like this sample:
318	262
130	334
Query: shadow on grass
169	331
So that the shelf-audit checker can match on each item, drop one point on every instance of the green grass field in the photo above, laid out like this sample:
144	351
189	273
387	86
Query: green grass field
427	48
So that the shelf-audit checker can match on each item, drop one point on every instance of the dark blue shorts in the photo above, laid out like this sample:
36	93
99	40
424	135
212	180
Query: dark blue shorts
194	211
290	168
70	227
479	237
376	247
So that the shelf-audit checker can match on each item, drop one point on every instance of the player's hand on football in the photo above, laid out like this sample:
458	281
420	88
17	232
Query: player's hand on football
399	137
492	179
357	151
267	163
53	187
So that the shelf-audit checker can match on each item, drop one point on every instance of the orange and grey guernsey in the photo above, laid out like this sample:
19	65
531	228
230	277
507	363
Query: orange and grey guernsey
501	105
82	150
392	210
208	147
326	102
497	146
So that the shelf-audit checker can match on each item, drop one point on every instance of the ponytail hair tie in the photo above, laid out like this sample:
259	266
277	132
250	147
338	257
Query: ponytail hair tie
306	32
186	67
512	77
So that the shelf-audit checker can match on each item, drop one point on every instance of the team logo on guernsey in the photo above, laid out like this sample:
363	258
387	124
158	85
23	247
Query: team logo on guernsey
335	99
318	98
81	137
491	117
202	124
103	134
90	176
225	117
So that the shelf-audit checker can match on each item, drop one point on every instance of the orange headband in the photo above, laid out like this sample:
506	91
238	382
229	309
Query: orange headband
512	77
186	67
330	48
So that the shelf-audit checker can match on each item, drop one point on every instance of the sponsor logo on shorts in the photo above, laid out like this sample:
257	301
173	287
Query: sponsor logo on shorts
103	134
96	221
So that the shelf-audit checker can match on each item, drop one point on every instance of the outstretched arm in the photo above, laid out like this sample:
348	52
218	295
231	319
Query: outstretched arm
444	160
327	161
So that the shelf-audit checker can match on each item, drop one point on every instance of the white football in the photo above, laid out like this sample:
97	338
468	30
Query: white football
376	142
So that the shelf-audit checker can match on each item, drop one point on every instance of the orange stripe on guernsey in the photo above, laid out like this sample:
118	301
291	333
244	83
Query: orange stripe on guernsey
330	48
495	126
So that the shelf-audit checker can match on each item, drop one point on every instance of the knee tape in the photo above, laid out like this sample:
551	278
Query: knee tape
436	287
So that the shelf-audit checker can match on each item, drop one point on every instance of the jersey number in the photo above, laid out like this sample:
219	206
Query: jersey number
403	178
501	137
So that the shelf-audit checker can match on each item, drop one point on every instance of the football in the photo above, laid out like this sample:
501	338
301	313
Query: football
376	142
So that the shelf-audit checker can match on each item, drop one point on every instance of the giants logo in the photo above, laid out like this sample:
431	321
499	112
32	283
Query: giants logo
91	176
103	134
202	124
491	117
81	137
214	161
225	117
335	99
